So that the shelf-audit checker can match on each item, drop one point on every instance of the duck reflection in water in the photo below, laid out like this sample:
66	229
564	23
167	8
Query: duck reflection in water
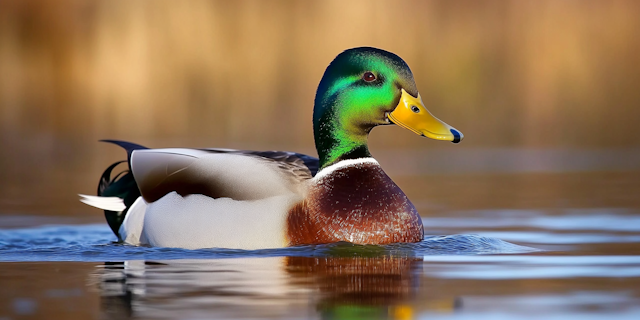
360	287
336	287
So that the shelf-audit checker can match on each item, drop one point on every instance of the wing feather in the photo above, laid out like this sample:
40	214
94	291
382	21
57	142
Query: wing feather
239	175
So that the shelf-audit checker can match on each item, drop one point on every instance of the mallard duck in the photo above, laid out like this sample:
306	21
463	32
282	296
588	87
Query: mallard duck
204	198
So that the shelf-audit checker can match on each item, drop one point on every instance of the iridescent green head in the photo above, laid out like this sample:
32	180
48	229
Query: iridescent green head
363	88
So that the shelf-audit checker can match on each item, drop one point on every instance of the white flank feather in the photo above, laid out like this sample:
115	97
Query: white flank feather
104	203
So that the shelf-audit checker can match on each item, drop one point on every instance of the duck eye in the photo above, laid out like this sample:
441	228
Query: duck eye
415	109
368	76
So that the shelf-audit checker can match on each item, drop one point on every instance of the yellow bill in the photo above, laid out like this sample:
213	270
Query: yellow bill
411	114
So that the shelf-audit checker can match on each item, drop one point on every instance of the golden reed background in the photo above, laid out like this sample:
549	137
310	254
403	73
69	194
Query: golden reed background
243	74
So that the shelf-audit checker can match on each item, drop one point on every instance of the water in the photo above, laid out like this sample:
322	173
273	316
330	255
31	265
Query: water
516	260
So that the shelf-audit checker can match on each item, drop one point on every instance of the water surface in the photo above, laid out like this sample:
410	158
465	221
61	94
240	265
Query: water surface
510	261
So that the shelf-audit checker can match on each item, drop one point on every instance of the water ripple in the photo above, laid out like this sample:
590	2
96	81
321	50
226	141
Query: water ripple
94	243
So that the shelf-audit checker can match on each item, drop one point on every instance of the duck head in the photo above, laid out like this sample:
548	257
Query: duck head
363	88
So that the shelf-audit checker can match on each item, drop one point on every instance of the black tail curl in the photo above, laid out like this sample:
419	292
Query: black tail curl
122	185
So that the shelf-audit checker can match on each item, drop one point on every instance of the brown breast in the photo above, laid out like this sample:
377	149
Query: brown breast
358	204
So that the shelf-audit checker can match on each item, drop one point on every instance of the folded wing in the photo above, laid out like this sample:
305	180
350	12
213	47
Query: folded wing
220	173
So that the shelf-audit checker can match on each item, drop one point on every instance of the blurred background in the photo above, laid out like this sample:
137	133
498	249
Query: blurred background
539	88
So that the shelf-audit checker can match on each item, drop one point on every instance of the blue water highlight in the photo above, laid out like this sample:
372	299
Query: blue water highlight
95	242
